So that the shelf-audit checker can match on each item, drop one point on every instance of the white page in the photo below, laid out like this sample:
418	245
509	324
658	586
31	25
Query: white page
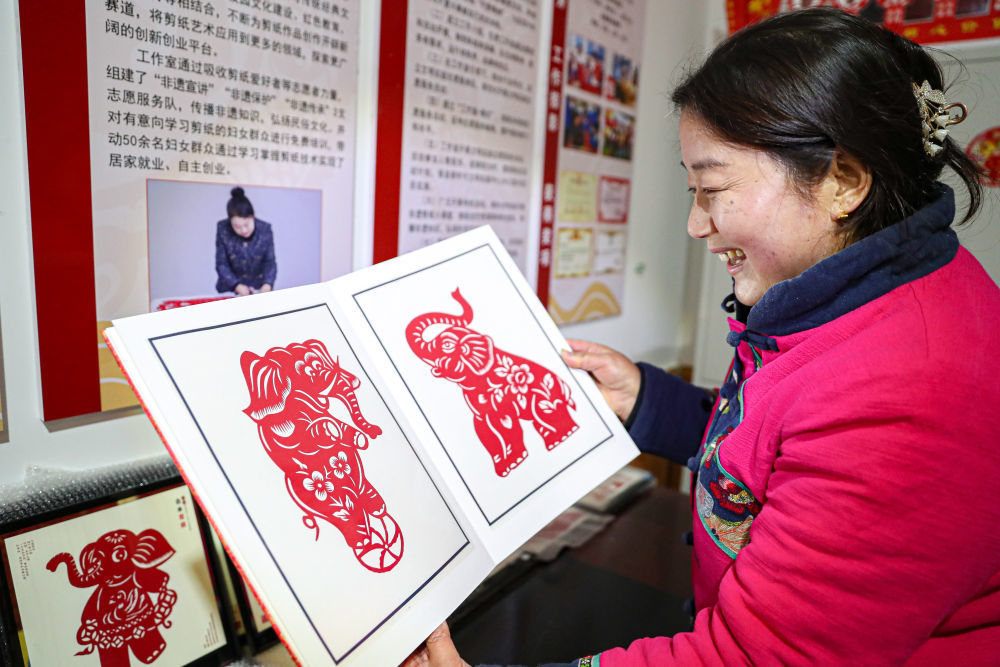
459	511
195	391
506	507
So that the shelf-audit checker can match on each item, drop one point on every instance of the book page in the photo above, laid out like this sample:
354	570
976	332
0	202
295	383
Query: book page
301	459
517	435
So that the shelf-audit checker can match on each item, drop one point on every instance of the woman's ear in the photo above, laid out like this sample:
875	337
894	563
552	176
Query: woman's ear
852	180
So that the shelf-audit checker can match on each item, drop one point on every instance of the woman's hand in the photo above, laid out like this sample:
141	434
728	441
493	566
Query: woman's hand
616	376
241	290
264	288
437	651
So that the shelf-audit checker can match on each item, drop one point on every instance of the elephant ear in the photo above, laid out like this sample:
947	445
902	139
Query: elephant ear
477	352
151	549
267	384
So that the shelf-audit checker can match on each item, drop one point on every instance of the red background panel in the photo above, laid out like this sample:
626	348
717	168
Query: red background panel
54	62
389	143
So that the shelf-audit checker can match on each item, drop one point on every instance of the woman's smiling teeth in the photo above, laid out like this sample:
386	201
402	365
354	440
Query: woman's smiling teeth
732	257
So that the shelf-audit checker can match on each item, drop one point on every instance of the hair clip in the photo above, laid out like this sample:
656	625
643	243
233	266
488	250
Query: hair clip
935	116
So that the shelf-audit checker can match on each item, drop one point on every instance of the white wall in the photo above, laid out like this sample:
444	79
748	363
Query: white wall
658	323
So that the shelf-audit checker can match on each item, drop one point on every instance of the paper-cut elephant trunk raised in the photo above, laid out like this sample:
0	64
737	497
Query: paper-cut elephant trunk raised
120	614
500	388
290	389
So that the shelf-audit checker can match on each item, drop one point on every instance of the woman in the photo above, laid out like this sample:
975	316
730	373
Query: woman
244	249
841	488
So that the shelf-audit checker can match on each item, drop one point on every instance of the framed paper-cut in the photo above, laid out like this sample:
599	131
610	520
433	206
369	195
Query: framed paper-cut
370	448
114	584
251	623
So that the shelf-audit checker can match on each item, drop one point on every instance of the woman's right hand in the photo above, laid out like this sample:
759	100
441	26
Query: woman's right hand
616	376
241	290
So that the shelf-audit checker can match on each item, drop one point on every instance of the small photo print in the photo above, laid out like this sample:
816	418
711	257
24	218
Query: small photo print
585	64
582	130
619	134
622	84
210	241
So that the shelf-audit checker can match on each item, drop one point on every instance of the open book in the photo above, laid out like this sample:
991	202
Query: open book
369	448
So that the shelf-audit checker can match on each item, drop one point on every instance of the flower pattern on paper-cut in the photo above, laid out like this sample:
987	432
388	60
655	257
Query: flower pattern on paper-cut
339	465
519	376
318	484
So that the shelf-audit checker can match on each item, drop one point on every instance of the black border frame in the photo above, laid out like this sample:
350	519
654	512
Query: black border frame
580	392
10	644
232	488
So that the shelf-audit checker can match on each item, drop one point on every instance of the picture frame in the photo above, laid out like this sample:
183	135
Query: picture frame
127	578
253	629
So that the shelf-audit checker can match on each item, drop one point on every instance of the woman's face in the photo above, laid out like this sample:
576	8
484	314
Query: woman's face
750	215
242	226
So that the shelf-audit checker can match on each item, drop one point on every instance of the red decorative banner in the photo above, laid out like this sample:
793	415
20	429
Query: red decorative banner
923	21
985	149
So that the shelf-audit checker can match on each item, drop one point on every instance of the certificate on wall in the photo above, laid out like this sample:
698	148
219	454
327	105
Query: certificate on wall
169	107
589	144
458	101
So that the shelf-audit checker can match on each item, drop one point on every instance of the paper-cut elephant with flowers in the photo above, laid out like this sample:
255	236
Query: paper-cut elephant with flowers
290	389
500	388
121	614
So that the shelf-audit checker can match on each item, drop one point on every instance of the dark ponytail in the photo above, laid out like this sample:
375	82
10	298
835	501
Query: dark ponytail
239	206
804	84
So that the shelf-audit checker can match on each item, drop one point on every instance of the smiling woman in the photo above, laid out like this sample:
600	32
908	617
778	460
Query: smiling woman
824	532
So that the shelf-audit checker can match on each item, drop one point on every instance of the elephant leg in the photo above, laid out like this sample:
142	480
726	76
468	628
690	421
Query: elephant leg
552	421
378	541
148	647
114	656
503	439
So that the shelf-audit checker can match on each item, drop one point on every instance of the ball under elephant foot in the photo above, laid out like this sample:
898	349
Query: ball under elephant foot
382	549
555	440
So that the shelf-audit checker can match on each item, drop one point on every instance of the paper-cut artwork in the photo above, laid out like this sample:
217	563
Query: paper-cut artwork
120	614
500	388
290	389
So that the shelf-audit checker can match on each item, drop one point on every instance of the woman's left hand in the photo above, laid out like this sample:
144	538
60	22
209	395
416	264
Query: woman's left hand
437	651
264	288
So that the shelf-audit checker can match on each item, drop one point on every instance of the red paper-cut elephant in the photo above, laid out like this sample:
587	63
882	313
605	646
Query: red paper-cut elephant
500	388
290	389
121	614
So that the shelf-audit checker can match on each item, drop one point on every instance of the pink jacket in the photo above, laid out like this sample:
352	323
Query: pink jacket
844	493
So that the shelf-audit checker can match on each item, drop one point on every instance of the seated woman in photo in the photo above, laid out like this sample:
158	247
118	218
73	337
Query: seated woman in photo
244	249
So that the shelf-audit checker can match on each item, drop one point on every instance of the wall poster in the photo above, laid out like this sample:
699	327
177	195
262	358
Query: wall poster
457	106
593	88
923	21
142	118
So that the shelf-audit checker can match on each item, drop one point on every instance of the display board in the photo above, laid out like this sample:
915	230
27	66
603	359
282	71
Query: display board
923	21
593	88
141	118
456	136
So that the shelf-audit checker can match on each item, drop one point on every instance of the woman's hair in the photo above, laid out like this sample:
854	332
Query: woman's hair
804	84
239	206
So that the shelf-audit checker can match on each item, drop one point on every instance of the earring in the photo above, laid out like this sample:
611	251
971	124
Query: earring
843	214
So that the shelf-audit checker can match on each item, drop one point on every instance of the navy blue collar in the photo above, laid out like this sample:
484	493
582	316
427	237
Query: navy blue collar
861	272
